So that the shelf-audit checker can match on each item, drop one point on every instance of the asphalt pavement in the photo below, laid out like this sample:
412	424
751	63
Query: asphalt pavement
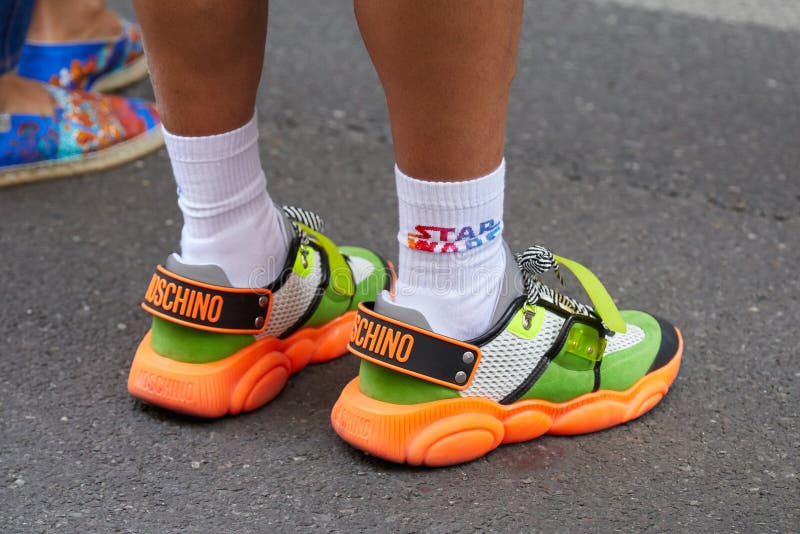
658	145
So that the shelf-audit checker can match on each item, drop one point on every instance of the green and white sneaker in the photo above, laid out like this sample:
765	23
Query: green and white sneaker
214	350
548	365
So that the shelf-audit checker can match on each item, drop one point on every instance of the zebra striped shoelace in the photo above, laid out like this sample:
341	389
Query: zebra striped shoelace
309	218
535	261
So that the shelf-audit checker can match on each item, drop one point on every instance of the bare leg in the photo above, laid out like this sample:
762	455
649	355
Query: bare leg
446	68
204	85
72	20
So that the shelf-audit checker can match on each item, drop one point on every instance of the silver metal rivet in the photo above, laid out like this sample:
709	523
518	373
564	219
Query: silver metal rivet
461	377
589	350
262	302
527	319
468	358
259	322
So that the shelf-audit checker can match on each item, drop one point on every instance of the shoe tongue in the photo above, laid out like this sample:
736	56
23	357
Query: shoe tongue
385	306
512	288
288	228
214	274
209	274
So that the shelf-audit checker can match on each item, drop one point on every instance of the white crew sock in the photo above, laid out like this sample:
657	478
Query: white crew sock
229	219
451	254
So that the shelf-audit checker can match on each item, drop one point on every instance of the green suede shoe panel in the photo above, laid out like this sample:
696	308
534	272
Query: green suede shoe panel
190	345
568	376
330	307
622	369
390	386
334	304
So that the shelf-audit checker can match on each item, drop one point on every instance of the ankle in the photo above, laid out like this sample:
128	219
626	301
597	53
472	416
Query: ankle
6	87
20	95
72	20
229	217
451	256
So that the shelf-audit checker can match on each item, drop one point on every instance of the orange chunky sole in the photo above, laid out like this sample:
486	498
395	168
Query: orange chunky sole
244	381
453	431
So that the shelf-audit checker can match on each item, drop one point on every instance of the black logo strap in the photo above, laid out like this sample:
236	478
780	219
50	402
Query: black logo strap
413	351
206	306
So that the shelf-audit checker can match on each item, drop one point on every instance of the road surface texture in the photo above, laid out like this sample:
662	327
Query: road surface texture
655	141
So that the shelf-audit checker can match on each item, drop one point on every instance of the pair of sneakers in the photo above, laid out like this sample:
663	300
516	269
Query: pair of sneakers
87	131
548	364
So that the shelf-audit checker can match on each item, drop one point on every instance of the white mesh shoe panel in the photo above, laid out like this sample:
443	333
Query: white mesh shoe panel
292	300
507	360
618	342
